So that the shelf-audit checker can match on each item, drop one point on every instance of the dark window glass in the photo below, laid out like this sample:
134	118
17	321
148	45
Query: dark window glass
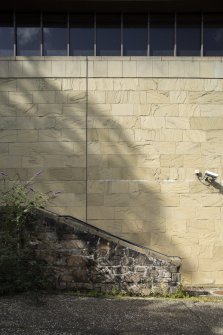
81	34
55	34
6	34
28	34
135	35
188	34
213	34
108	38
162	35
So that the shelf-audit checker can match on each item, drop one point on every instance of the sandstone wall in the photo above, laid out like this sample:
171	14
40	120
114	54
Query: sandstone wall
121	138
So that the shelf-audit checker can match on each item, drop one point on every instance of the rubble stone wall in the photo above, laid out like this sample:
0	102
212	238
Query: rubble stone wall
80	257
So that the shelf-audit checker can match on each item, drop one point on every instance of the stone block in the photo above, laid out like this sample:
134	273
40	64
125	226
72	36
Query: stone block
178	97
100	68
76	121
7	110
24	135
41	148
20	98
8	135
34	68
129	68
176	69
8	161
194	136
154	96
145	84
7	85
174	187
160	68
122	84
49	135
49	109
50	84
207	264
4	148
98	97
4	69
122	109
212	200
8	123
144	68
100	213
44	97
151	122
206	123
208	213
205	97
27	84
43	122
211	110
164	109
74	69
114	68
187	148
198	226
100	84
58	68
116	97
15	69
207	69
171	160
96	186
137	97
177	122
188	110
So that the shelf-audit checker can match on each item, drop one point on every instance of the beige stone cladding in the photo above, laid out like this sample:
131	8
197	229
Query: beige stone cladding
121	138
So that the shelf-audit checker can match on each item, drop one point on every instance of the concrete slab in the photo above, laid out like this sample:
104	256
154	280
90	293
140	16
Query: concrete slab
68	315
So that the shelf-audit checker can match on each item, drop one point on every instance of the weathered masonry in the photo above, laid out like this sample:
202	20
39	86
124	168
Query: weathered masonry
121	136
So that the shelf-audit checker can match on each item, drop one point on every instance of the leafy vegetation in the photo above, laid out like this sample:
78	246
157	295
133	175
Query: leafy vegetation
19	270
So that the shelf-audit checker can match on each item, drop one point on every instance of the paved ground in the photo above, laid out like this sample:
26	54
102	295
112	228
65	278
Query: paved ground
67	315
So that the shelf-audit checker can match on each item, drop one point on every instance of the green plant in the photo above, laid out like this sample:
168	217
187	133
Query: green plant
19	269
180	293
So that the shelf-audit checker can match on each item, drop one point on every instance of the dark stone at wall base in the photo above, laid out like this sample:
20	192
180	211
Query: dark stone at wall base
80	256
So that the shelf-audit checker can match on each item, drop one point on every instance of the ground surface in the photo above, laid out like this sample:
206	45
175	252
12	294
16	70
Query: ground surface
68	315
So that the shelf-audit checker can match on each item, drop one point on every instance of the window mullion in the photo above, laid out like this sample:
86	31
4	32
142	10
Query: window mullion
148	45
202	34
68	34
175	34
14	30
95	35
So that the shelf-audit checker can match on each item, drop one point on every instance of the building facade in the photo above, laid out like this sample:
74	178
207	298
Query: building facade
118	103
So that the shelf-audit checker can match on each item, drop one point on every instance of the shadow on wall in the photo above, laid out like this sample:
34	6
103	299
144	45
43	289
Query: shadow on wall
43	127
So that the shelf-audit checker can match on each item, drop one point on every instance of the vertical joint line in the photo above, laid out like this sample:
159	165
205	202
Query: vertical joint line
86	176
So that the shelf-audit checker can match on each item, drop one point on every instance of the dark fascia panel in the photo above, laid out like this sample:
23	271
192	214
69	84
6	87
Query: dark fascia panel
108	5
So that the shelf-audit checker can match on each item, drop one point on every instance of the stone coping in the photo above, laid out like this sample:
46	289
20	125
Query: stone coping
111	67
114	58
74	222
